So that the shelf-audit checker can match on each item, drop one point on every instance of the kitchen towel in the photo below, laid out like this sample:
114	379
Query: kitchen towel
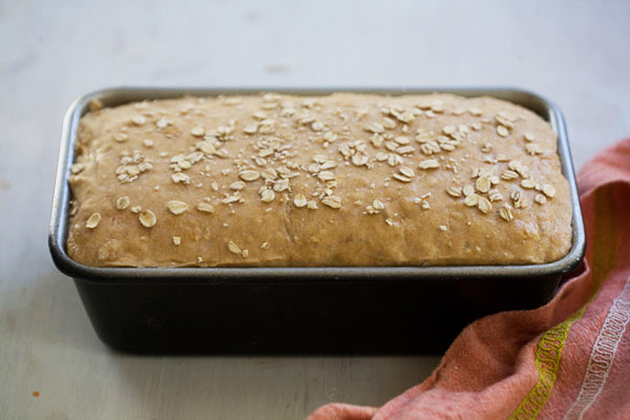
569	359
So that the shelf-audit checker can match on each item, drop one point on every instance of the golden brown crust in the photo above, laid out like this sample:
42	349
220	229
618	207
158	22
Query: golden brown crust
340	180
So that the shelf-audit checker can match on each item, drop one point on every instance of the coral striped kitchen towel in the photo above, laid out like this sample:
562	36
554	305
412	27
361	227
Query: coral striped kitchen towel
569	359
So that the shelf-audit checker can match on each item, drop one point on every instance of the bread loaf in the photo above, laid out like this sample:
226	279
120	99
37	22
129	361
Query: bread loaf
339	180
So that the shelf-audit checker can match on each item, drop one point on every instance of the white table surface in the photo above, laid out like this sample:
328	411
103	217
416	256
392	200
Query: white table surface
575	52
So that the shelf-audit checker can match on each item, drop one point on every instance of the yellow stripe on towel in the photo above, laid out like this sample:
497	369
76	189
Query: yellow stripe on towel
551	343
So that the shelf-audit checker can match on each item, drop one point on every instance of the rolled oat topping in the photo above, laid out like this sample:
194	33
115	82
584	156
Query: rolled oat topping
233	248
300	200
454	191
147	218
540	199
93	221
429	164
506	213
177	207
122	202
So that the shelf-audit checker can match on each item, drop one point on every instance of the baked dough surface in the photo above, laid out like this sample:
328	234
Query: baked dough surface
339	180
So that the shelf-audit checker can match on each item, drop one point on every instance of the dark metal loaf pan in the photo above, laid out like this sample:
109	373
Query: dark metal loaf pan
299	310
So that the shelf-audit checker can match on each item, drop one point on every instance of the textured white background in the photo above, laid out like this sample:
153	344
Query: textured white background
575	52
